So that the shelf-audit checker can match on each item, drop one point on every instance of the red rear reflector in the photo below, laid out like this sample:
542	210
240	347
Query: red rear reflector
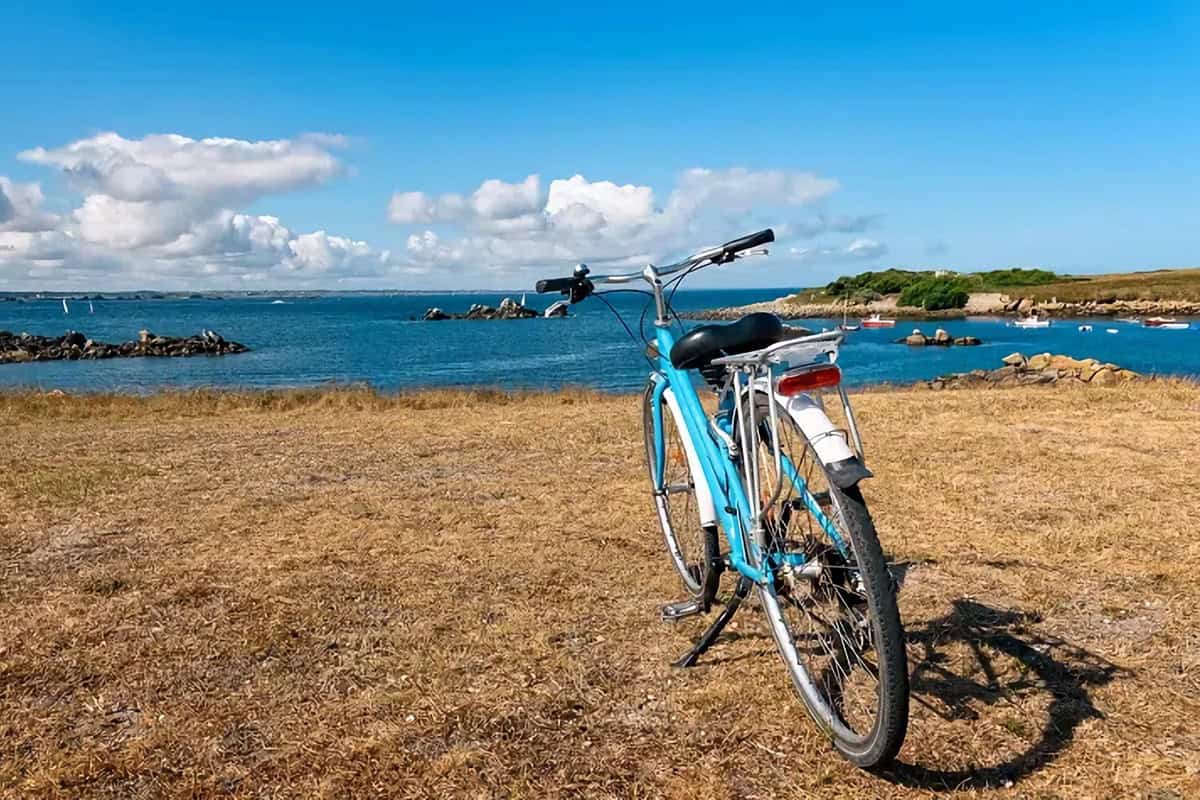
793	383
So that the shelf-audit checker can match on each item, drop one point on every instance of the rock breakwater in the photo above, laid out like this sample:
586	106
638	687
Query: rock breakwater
16	348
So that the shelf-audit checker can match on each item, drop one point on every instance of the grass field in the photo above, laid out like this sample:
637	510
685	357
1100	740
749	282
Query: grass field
1166	284
1153	285
452	595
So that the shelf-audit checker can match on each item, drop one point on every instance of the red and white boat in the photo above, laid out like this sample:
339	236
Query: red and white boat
874	321
1166	323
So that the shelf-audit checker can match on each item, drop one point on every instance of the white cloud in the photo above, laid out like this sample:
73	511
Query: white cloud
857	250
496	199
619	206
865	248
503	226
21	208
168	210
167	166
742	189
412	207
165	208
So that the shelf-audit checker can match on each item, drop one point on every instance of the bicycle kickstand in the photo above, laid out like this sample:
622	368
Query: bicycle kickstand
714	630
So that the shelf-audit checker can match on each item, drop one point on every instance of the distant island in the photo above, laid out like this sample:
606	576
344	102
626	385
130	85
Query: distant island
942	294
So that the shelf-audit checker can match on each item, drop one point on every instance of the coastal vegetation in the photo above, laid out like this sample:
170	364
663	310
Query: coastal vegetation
935	293
342	593
943	293
931	289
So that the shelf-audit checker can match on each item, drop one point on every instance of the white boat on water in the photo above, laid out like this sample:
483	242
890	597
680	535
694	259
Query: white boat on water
875	321
1129	320
1085	328
1111	330
846	326
1032	321
557	309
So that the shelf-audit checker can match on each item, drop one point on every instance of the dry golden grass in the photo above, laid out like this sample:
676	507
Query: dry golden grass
1162	284
454	595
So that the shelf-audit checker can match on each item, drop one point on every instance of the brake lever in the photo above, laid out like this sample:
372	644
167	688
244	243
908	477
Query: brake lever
747	253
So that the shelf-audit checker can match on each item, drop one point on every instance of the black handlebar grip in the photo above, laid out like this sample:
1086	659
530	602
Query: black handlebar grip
554	285
752	240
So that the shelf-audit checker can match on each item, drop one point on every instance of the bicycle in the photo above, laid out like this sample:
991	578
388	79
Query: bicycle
767	486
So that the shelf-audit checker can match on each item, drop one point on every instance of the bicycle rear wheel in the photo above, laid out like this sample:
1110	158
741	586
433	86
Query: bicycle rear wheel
691	546
834	617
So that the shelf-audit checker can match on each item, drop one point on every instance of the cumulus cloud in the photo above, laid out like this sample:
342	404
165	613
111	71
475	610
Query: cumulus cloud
586	205
21	208
167	207
169	166
506	225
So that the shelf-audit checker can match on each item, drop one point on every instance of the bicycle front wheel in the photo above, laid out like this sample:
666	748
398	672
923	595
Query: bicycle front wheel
691	546
832	605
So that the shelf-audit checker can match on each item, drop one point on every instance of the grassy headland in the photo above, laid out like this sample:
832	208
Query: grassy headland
329	594
928	294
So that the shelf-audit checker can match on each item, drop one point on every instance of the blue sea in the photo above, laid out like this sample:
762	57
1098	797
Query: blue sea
380	340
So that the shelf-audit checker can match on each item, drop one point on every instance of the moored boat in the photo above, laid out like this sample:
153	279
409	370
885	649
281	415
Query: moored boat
875	321
1032	321
1169	323
846	326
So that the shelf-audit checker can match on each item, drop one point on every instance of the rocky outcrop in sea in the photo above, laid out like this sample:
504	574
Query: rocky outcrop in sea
17	348
508	309
940	338
1044	368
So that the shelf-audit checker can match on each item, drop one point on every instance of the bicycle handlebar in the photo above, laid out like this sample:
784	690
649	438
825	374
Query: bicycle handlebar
554	285
765	236
580	285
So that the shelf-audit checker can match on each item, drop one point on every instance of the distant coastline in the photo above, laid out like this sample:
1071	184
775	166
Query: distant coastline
1137	294
789	308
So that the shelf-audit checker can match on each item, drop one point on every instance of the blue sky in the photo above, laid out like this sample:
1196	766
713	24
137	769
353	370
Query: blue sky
955	135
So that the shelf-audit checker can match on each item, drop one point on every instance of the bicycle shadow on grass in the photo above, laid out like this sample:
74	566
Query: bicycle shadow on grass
1005	661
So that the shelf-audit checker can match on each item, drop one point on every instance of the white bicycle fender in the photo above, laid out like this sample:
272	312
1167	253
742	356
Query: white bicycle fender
809	416
845	468
704	498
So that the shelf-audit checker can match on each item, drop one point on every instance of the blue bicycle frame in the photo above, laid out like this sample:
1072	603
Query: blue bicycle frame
730	501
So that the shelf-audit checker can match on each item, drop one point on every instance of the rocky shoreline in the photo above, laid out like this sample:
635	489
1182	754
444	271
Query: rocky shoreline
784	309
1040	369
980	304
18	348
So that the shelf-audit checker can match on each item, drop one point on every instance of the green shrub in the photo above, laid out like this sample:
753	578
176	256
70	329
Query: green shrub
889	281
893	281
935	294
1004	278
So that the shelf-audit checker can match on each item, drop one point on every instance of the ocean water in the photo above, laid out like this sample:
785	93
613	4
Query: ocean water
375	340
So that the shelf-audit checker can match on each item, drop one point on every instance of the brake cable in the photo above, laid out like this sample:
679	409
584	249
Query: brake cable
641	342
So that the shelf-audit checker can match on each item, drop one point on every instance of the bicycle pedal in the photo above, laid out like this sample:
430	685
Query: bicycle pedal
673	612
